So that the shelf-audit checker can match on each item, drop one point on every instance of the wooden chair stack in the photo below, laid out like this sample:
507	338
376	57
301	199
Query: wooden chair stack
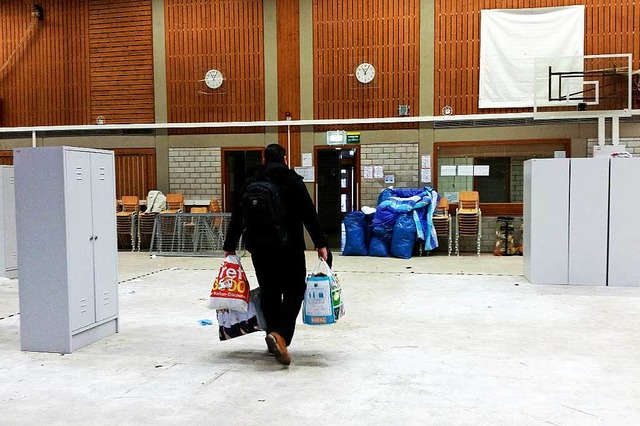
469	218
127	221
175	203
214	207
145	229
442	222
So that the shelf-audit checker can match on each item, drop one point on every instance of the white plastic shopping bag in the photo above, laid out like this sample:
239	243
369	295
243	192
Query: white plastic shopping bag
231	288
323	297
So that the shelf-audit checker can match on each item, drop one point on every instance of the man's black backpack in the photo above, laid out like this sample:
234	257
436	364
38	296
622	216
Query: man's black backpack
263	215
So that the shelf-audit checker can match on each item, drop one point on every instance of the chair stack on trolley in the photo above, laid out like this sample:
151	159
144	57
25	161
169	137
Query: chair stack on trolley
167	228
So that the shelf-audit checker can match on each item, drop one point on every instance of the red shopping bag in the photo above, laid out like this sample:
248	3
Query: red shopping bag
231	288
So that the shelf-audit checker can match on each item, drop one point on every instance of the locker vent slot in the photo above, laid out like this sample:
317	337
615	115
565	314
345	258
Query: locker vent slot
103	173
78	172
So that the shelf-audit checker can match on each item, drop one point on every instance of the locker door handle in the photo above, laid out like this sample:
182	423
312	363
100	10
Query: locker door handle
91	238
95	237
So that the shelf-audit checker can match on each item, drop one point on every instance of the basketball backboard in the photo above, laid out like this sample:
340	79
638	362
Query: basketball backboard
583	86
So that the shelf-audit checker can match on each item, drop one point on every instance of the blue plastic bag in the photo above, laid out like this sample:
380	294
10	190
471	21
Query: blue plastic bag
355	224
404	236
379	247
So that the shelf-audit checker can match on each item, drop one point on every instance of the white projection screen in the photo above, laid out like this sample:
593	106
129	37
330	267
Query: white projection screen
510	39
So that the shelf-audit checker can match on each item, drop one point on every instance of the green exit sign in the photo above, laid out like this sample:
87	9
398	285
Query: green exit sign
353	137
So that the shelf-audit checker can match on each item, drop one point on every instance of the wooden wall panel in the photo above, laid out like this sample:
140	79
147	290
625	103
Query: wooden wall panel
135	172
384	33
86	58
6	158
288	34
46	80
121	61
610	27
226	35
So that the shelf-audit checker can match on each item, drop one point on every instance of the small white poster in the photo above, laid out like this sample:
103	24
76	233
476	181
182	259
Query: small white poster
389	179
426	161
307	159
559	154
378	172
307	173
465	170
368	172
447	170
481	170
425	175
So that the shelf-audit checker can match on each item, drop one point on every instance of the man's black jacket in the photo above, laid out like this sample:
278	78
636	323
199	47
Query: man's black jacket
297	203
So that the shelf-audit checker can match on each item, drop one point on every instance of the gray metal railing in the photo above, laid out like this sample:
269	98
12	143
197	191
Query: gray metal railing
190	234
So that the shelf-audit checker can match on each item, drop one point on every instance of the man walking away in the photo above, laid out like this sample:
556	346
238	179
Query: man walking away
271	211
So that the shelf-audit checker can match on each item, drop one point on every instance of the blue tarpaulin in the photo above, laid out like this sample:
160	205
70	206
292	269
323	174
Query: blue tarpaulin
416	203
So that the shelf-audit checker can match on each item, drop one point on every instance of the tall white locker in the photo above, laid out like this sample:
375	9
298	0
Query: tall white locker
67	248
588	221
546	220
8	249
624	223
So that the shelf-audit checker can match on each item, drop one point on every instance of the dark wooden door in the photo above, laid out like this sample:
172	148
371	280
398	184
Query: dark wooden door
328	194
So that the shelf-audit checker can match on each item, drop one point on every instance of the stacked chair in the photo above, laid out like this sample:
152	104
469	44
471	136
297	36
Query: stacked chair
175	203
469	218
170	228
127	221
156	202
217	225
145	229
442	222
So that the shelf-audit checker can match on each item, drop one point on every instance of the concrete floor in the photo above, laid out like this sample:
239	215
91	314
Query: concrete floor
427	341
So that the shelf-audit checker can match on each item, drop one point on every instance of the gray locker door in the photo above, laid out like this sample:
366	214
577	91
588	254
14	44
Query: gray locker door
79	239
10	243
104	228
588	221
624	232
546	219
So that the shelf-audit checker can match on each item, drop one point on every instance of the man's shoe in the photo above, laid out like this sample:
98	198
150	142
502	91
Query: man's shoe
278	346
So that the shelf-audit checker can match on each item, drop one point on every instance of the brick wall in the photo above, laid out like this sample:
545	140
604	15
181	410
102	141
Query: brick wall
517	179
632	145
400	160
196	173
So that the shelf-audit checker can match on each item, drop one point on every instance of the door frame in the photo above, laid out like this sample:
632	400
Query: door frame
356	166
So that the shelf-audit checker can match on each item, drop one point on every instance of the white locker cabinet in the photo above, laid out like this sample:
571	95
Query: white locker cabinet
8	249
546	220
624	222
67	248
588	221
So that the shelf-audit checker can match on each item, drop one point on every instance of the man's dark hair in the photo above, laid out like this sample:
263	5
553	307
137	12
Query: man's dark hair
274	153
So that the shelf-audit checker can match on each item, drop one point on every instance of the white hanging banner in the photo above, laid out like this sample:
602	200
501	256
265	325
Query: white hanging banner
510	39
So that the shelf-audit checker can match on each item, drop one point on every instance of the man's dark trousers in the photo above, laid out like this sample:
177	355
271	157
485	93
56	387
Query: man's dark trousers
281	275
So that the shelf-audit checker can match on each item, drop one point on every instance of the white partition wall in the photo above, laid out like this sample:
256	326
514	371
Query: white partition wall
8	250
546	220
67	249
624	222
588	221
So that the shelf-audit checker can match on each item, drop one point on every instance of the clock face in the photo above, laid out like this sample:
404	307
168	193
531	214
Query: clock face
213	79
365	72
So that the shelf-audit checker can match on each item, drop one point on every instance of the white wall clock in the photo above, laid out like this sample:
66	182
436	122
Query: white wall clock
365	72
213	79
